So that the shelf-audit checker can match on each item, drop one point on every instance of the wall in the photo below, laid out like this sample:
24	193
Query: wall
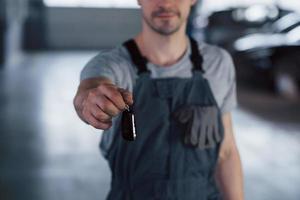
90	28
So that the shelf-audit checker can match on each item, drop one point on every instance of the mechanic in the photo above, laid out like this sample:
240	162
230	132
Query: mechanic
182	93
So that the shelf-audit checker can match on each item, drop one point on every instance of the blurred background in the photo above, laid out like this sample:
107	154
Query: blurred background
47	153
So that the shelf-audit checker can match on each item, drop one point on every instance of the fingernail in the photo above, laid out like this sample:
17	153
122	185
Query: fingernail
126	107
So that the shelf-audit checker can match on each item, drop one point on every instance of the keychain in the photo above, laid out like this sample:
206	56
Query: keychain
128	124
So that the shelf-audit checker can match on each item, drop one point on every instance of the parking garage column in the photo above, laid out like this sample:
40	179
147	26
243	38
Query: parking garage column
2	32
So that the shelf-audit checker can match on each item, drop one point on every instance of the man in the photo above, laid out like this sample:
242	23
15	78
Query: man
182	94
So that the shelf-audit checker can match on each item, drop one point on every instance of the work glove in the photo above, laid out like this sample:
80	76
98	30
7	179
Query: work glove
201	125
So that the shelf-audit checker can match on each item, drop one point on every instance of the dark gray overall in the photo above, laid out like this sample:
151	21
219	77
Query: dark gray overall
179	132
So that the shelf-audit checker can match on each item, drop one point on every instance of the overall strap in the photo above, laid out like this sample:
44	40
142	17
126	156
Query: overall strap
136	57
141	62
196	57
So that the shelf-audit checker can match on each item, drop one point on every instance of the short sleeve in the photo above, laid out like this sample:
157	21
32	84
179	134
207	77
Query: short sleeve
99	66
230	98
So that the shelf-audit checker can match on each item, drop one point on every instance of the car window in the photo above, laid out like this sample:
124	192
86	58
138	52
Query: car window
286	23
294	35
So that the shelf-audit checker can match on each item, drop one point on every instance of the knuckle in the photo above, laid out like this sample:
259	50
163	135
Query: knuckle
96	125
106	119
114	94
115	112
91	94
101	117
102	87
129	101
97	118
98	115
107	107
102	126
104	105
84	103
85	112
106	127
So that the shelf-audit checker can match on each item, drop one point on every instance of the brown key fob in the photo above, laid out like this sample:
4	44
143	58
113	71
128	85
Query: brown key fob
128	124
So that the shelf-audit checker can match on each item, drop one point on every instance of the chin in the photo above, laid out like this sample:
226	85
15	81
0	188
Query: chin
167	32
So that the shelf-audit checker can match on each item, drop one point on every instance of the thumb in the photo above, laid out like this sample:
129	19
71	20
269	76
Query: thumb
127	96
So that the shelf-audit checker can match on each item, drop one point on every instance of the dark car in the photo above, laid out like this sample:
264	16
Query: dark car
225	26
272	56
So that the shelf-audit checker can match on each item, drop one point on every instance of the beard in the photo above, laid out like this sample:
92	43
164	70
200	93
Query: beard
164	26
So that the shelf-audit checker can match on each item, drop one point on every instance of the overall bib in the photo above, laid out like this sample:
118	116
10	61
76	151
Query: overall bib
179	132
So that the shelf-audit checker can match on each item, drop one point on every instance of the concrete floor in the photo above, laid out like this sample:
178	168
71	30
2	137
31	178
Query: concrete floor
47	153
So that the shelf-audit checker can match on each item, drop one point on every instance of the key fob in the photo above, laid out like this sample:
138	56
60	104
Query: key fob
128	124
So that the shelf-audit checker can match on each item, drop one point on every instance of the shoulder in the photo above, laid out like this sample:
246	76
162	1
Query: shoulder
116	55
111	63
216	60
213	54
114	64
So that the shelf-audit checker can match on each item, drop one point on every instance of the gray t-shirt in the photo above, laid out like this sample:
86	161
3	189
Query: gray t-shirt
116	65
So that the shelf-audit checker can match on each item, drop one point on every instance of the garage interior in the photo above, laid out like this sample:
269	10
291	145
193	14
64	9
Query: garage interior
47	152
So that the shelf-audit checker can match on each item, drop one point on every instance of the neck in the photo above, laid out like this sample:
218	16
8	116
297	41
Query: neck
160	49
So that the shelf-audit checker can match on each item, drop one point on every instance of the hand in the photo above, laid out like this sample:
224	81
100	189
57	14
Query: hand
100	104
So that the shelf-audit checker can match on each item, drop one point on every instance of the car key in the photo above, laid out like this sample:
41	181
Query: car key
128	124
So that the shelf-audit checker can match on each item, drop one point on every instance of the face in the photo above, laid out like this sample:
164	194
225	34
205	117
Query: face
166	16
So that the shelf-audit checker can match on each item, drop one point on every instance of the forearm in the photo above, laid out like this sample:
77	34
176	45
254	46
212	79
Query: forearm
229	176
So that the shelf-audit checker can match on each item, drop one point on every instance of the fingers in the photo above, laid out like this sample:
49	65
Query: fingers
100	115
103	103
95	122
127	96
112	93
106	105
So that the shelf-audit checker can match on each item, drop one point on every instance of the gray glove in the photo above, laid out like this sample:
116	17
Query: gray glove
201	125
